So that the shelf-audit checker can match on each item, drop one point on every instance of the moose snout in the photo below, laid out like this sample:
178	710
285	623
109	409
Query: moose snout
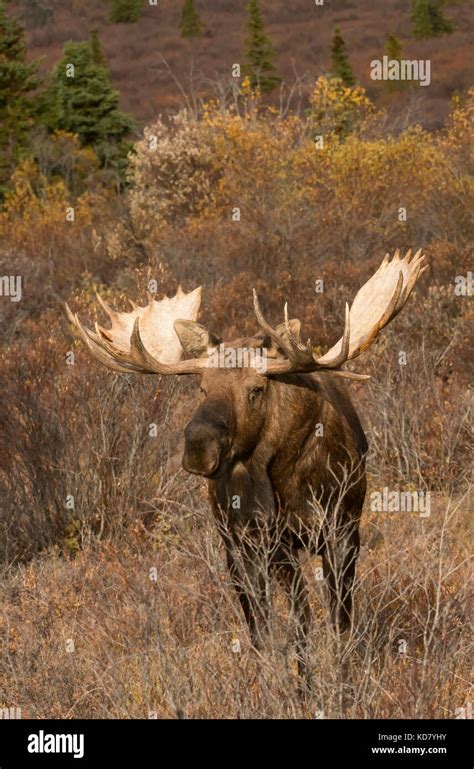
205	445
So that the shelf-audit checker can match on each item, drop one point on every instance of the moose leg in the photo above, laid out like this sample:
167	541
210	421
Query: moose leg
250	585
238	504
290	576
339	563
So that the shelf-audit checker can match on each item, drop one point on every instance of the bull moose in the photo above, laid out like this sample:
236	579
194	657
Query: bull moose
281	444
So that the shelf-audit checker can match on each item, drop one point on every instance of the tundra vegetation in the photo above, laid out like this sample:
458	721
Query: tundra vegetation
280	444
116	599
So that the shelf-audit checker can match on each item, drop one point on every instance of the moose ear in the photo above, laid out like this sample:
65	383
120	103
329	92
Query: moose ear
195	340
295	327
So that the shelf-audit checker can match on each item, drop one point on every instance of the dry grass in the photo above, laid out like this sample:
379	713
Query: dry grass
164	642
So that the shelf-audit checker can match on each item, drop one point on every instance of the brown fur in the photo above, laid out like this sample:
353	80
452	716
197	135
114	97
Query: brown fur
276	486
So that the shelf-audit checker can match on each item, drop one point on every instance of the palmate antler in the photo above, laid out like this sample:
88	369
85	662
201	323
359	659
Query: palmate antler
144	340
147	339
375	305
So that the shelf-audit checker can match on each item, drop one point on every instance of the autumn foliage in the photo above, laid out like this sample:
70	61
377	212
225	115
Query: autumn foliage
232	197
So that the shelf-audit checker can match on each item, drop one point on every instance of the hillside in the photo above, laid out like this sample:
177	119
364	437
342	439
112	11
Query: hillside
301	33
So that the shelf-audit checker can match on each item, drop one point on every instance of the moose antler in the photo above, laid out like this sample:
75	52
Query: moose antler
147	340
144	340
376	304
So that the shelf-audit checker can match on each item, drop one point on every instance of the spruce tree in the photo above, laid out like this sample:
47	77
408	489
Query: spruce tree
125	11
439	23
428	19
190	22
96	50
340	66
81	100
259	52
393	49
18	104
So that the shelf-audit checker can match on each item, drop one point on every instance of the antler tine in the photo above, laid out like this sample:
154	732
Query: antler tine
95	348
291	337
106	307
418	268
343	355
274	336
299	346
299	357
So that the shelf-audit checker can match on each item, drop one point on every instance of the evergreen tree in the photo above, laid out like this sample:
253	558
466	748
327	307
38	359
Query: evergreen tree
96	50
440	24
81	100
428	19
393	49
190	23
259	51
340	66
125	11
18	105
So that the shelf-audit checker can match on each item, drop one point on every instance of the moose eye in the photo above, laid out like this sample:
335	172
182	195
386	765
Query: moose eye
255	392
